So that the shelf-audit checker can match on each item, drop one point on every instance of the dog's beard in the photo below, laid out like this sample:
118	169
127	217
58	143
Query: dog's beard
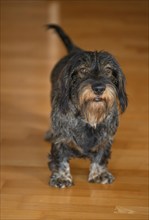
94	108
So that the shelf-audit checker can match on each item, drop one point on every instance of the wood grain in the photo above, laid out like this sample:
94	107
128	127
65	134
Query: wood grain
28	53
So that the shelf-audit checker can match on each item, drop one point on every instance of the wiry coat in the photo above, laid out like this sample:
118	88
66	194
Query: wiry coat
88	93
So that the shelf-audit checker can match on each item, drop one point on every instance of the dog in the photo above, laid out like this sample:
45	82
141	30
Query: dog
88	95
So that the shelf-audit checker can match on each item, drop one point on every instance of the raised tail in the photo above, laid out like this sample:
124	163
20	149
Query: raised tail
64	37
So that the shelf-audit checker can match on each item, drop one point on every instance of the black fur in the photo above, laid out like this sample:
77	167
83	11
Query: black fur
73	134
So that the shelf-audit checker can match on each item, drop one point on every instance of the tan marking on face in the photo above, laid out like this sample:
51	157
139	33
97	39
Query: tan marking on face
109	95
95	112
86	94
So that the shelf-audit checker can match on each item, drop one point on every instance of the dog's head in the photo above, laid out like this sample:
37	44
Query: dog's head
92	82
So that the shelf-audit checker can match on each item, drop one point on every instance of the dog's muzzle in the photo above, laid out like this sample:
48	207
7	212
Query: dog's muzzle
98	89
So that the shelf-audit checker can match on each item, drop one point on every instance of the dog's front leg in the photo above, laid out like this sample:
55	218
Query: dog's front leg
98	168
59	166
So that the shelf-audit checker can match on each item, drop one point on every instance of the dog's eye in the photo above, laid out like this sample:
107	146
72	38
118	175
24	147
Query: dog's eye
82	71
108	71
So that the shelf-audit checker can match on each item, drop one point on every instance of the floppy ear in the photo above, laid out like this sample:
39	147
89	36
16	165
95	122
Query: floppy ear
122	96
64	93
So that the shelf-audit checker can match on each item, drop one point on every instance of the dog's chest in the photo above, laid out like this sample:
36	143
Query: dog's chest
87	137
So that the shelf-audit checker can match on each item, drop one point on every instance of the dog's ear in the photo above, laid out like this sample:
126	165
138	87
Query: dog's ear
64	90
121	90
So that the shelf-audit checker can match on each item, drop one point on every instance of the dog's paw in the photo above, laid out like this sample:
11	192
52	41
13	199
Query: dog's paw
103	178
60	181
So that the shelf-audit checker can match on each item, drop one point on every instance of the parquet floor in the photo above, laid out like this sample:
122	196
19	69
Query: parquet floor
28	54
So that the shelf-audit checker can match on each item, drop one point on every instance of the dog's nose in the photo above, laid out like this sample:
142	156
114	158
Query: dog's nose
98	88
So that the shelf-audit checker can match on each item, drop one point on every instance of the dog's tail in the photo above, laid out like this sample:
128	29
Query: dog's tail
70	46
